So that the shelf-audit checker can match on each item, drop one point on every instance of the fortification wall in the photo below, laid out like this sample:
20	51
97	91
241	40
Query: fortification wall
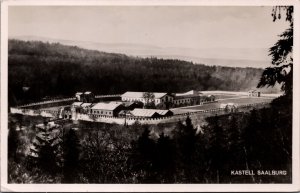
49	103
196	117
107	96
33	112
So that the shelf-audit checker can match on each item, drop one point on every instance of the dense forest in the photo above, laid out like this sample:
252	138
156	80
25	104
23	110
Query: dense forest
37	70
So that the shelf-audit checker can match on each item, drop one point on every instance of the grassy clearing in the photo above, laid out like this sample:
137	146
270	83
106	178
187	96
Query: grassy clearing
238	101
225	96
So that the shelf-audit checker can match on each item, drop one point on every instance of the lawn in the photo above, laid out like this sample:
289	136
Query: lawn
238	101
225	96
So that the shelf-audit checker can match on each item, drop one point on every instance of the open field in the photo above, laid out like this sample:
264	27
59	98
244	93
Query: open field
237	93
225	96
237	101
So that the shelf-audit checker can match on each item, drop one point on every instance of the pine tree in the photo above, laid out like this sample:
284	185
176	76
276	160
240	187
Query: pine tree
143	157
282	56
146	145
71	156
234	143
185	139
217	151
233	132
164	158
251	133
46	149
13	143
189	140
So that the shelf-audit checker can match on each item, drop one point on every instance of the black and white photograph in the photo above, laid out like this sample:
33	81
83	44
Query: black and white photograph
149	94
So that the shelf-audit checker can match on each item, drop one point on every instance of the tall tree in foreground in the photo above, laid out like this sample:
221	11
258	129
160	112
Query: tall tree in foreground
217	151
164	159
13	142
143	157
71	156
282	58
281	108
186	139
46	148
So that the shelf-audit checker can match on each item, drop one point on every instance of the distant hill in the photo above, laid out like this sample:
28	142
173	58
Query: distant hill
38	69
233	57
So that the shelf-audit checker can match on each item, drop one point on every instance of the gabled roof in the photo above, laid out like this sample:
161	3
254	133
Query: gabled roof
78	93
106	106
163	112
143	112
157	95
77	104
191	93
88	92
86	105
148	112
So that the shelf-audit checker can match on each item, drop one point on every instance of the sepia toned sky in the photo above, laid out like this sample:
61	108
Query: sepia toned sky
198	27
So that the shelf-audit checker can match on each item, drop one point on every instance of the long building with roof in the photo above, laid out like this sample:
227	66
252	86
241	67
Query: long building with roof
107	109
148	113
176	99
159	97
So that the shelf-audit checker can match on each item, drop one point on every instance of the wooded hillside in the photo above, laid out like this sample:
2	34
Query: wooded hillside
50	70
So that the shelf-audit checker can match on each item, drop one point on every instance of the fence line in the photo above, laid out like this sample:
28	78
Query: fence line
62	100
46	102
104	96
33	112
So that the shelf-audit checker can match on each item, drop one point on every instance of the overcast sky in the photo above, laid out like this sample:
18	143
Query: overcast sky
168	26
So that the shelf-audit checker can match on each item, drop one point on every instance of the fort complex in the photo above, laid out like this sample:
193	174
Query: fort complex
145	107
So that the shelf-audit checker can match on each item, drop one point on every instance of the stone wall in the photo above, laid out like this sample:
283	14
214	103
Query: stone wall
34	112
49	103
197	117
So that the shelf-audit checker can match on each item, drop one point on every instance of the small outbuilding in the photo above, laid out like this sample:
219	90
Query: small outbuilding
86	97
79	96
254	93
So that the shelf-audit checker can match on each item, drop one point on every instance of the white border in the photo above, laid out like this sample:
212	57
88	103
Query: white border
145	187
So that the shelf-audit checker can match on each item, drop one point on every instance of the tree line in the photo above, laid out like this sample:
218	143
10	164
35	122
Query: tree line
37	70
